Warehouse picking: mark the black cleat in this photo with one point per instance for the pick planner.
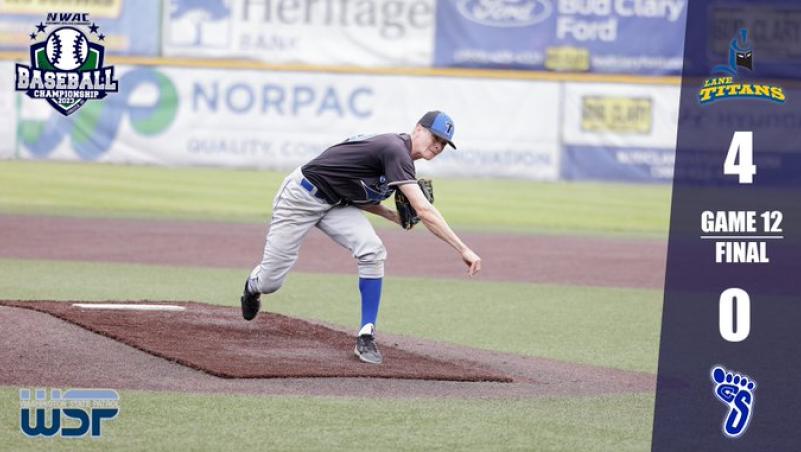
(250, 302)
(367, 350)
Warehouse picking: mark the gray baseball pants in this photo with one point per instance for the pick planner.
(295, 211)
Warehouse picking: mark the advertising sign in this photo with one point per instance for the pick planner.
(129, 28)
(367, 33)
(278, 120)
(602, 36)
(619, 132)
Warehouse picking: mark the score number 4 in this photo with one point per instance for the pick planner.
(742, 145)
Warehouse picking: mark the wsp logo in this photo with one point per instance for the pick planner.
(89, 407)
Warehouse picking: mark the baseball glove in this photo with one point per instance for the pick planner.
(408, 217)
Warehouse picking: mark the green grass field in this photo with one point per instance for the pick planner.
(170, 422)
(607, 327)
(246, 196)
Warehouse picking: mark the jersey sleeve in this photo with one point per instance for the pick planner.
(399, 167)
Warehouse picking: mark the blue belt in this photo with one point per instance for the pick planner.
(313, 190)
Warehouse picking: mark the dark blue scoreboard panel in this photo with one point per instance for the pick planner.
(730, 352)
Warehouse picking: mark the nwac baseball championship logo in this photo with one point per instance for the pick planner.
(66, 66)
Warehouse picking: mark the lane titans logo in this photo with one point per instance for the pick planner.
(724, 87)
(66, 67)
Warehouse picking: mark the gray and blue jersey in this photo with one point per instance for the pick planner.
(364, 169)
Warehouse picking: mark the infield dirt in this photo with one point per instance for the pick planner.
(556, 259)
(48, 351)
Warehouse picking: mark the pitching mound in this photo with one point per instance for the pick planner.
(216, 340)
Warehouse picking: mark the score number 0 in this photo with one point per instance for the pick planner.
(733, 301)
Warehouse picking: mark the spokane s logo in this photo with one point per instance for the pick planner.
(66, 66)
(725, 86)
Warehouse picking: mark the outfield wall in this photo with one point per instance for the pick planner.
(619, 132)
(539, 89)
(560, 35)
(129, 27)
(248, 118)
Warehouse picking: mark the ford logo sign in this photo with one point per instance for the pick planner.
(505, 13)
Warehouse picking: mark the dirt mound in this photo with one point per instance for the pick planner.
(216, 340)
(40, 350)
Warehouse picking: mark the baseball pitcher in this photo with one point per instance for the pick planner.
(331, 191)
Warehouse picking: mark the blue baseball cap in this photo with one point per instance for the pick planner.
(440, 124)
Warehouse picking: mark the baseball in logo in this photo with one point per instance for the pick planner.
(66, 66)
(67, 48)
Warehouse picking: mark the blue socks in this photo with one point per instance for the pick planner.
(371, 298)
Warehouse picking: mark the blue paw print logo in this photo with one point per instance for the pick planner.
(737, 392)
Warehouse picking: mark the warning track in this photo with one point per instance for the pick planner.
(553, 259)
